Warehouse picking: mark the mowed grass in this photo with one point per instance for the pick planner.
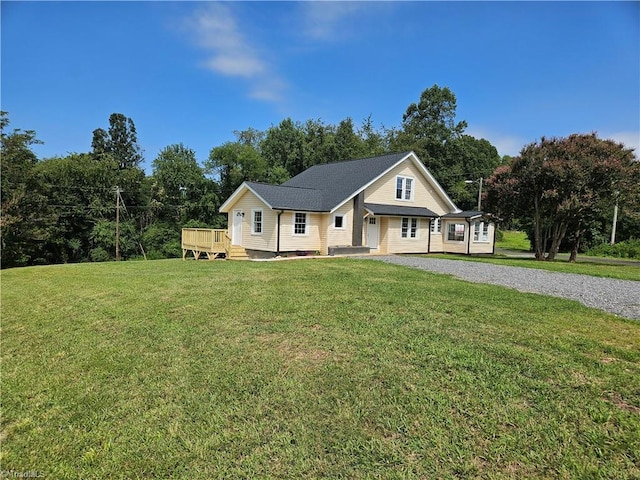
(514, 240)
(305, 369)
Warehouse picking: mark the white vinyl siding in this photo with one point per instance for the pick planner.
(266, 241)
(384, 191)
(392, 241)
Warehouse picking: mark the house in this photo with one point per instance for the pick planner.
(385, 204)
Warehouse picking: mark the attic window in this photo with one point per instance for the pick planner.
(338, 222)
(404, 188)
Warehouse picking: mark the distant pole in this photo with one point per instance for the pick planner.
(480, 196)
(615, 220)
(117, 224)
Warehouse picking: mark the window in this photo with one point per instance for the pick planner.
(436, 225)
(404, 188)
(300, 224)
(338, 222)
(256, 225)
(409, 228)
(481, 231)
(455, 232)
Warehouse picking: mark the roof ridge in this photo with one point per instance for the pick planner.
(360, 159)
(281, 185)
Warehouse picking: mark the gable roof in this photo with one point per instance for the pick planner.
(326, 187)
(340, 181)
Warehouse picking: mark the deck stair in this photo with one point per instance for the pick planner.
(236, 253)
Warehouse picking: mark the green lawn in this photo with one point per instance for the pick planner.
(305, 369)
(514, 240)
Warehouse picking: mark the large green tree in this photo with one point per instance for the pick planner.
(181, 190)
(120, 141)
(429, 128)
(19, 217)
(561, 187)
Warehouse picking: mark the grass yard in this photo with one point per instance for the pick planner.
(305, 369)
(514, 240)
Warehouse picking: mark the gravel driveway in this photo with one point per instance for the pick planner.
(621, 297)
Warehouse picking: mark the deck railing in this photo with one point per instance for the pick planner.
(204, 240)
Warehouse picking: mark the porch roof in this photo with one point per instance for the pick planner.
(398, 211)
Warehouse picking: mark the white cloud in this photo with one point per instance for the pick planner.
(628, 138)
(327, 20)
(231, 53)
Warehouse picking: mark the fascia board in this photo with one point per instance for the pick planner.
(224, 208)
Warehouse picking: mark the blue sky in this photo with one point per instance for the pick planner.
(193, 72)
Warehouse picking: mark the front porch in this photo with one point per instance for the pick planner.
(212, 242)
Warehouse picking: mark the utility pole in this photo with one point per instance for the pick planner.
(117, 224)
(479, 191)
(615, 220)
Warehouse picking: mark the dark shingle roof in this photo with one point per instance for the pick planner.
(398, 211)
(289, 198)
(339, 181)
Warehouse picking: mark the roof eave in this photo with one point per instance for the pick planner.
(244, 186)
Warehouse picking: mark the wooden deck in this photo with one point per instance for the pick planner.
(211, 242)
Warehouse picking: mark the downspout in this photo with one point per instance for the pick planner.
(493, 245)
(468, 236)
(278, 235)
(429, 236)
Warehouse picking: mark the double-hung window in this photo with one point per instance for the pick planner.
(299, 223)
(481, 232)
(455, 232)
(436, 225)
(409, 227)
(256, 224)
(404, 188)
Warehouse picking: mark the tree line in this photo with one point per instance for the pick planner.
(63, 209)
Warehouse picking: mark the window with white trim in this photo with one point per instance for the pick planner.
(299, 223)
(404, 188)
(436, 225)
(481, 232)
(409, 227)
(338, 222)
(256, 222)
(455, 232)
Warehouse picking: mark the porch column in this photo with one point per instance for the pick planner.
(358, 213)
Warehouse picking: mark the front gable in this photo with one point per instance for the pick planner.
(425, 192)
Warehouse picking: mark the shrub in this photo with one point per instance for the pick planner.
(627, 249)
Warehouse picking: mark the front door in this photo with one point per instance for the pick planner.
(236, 230)
(373, 233)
